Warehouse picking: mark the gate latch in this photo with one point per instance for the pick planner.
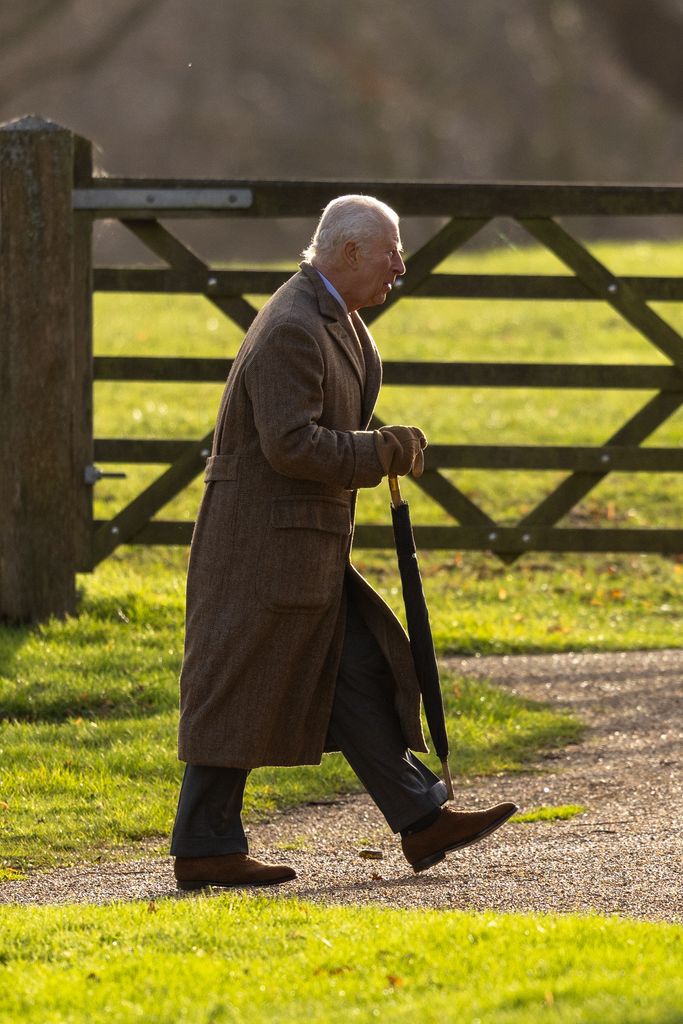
(92, 474)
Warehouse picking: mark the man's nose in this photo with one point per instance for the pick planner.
(399, 266)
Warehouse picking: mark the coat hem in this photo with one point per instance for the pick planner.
(209, 762)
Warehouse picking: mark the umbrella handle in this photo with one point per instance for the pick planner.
(396, 499)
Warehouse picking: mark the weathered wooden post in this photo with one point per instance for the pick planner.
(45, 370)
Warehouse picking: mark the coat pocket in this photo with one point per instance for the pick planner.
(214, 531)
(302, 560)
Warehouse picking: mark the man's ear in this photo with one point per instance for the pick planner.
(351, 253)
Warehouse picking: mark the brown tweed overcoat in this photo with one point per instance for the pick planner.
(269, 567)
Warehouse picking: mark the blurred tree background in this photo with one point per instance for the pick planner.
(574, 90)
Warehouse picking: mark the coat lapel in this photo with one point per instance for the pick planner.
(343, 333)
(373, 368)
(339, 326)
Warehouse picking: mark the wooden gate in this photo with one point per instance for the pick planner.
(142, 205)
(138, 205)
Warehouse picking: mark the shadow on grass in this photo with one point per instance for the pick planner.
(119, 658)
(12, 639)
(491, 730)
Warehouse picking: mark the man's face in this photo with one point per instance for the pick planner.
(379, 265)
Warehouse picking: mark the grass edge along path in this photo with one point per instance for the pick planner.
(235, 958)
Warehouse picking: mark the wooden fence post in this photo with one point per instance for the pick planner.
(42, 421)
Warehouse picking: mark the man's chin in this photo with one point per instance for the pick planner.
(376, 300)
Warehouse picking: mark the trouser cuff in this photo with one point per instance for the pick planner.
(432, 800)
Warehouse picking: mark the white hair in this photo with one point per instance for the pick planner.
(348, 218)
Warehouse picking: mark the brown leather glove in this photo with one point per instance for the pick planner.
(399, 450)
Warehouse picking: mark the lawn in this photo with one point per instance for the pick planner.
(87, 735)
(87, 744)
(236, 959)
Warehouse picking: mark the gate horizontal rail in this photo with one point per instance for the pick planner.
(579, 376)
(149, 198)
(232, 283)
(502, 540)
(448, 456)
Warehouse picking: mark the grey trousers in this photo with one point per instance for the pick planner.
(363, 725)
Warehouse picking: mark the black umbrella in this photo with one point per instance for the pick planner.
(419, 630)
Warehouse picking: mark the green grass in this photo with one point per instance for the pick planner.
(562, 813)
(544, 604)
(234, 959)
(88, 758)
(11, 875)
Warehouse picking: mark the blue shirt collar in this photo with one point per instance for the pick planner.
(332, 290)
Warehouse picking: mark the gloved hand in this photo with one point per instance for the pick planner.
(399, 450)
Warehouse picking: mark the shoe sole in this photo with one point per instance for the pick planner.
(436, 858)
(194, 886)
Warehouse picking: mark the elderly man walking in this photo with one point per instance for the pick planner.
(289, 652)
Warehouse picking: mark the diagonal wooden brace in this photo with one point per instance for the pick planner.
(123, 527)
(621, 296)
(419, 266)
(179, 256)
(574, 487)
(446, 494)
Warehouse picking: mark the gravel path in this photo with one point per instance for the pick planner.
(623, 855)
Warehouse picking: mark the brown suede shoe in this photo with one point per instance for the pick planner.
(229, 869)
(452, 830)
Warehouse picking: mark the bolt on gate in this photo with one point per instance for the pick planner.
(49, 200)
